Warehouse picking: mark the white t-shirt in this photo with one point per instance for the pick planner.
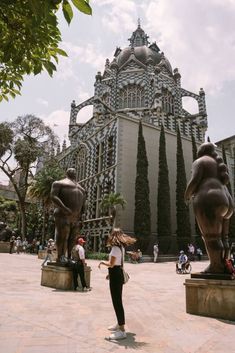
(80, 250)
(117, 253)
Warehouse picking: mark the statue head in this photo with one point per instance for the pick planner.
(207, 149)
(71, 173)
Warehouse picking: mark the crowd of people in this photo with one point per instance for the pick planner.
(19, 245)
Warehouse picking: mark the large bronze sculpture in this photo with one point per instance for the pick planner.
(212, 203)
(69, 198)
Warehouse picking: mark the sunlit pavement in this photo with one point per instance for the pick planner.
(36, 319)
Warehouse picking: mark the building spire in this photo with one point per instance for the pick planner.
(138, 38)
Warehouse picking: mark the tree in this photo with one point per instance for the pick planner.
(194, 153)
(232, 218)
(8, 211)
(109, 203)
(40, 188)
(26, 140)
(182, 211)
(194, 147)
(30, 39)
(163, 197)
(142, 217)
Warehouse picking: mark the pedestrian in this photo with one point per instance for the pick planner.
(49, 248)
(117, 240)
(12, 244)
(183, 258)
(199, 254)
(191, 250)
(78, 263)
(18, 245)
(155, 252)
(24, 245)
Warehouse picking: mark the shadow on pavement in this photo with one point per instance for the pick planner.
(129, 342)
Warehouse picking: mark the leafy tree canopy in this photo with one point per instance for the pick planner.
(30, 39)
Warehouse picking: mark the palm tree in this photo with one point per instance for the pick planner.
(41, 187)
(109, 203)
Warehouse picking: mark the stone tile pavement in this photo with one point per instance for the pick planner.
(36, 319)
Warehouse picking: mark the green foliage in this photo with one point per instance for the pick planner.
(182, 210)
(28, 139)
(40, 188)
(30, 39)
(112, 200)
(97, 256)
(194, 153)
(163, 198)
(6, 138)
(142, 217)
(194, 147)
(8, 211)
(232, 218)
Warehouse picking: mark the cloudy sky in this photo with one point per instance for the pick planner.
(197, 36)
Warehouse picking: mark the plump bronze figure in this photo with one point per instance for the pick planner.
(212, 203)
(69, 198)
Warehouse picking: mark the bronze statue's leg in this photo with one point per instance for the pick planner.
(74, 232)
(215, 248)
(225, 232)
(62, 234)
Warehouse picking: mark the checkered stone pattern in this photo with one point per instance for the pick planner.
(160, 103)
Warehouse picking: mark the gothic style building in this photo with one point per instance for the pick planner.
(138, 83)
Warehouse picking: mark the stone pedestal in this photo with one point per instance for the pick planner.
(211, 297)
(43, 253)
(61, 277)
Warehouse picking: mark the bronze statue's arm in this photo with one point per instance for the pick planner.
(55, 189)
(197, 173)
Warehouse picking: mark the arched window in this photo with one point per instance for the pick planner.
(167, 102)
(132, 96)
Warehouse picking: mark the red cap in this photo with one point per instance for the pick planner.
(81, 241)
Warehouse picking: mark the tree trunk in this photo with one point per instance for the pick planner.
(23, 219)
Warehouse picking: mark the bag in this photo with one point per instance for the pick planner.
(229, 266)
(126, 277)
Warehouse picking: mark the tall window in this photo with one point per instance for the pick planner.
(99, 162)
(132, 96)
(167, 102)
(81, 163)
(110, 152)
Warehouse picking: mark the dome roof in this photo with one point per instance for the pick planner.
(143, 54)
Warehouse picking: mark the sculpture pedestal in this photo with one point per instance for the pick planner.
(61, 277)
(210, 297)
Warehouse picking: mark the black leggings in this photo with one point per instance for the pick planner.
(115, 285)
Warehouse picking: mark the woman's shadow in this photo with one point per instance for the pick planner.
(129, 341)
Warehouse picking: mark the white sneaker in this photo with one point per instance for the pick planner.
(118, 335)
(114, 327)
(85, 289)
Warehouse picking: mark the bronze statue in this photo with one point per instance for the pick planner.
(212, 203)
(69, 198)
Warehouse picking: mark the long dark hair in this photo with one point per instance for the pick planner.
(118, 238)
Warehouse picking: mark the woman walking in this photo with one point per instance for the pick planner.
(117, 240)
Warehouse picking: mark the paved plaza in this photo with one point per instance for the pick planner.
(36, 319)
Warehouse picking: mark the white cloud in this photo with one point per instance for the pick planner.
(194, 38)
(118, 15)
(88, 54)
(58, 120)
(42, 101)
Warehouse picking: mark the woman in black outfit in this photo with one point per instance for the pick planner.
(117, 240)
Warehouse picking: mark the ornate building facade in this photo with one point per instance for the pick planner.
(138, 83)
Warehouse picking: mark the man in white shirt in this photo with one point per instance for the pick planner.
(78, 263)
